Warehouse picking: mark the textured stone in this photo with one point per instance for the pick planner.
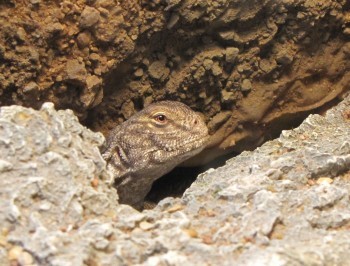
(75, 71)
(158, 71)
(89, 17)
(231, 54)
(263, 207)
(84, 39)
(246, 85)
(191, 51)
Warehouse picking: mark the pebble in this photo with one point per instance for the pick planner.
(146, 225)
(284, 58)
(267, 66)
(138, 73)
(128, 109)
(25, 259)
(84, 39)
(208, 63)
(20, 256)
(55, 28)
(231, 54)
(21, 34)
(173, 20)
(89, 17)
(75, 70)
(246, 85)
(158, 71)
(95, 57)
(93, 82)
(346, 31)
(101, 244)
(191, 232)
(216, 69)
(31, 86)
(324, 180)
(14, 253)
(227, 96)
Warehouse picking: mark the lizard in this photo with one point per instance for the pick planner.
(150, 144)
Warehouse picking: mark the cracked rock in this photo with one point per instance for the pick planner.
(264, 207)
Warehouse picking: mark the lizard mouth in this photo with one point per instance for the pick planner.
(188, 146)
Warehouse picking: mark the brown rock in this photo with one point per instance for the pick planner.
(246, 85)
(158, 71)
(208, 63)
(216, 69)
(128, 109)
(90, 96)
(54, 28)
(89, 17)
(30, 87)
(84, 39)
(227, 96)
(284, 57)
(347, 31)
(75, 71)
(231, 54)
(291, 77)
(138, 73)
(94, 57)
(21, 34)
(267, 65)
(218, 120)
(92, 82)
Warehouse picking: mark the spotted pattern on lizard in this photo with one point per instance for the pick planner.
(150, 144)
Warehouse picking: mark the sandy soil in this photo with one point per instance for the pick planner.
(250, 67)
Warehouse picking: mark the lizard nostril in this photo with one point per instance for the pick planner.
(133, 179)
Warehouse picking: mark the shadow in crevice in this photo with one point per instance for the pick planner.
(178, 180)
(175, 183)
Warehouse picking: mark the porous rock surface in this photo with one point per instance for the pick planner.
(286, 203)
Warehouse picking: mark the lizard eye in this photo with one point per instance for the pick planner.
(160, 118)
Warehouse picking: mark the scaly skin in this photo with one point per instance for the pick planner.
(150, 144)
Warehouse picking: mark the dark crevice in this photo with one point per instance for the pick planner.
(178, 180)
(175, 183)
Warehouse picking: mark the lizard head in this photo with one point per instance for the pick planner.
(150, 144)
(174, 130)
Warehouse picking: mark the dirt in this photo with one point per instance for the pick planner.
(250, 67)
